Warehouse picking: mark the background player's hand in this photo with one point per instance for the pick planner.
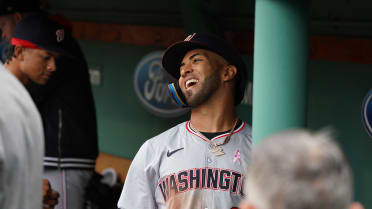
(50, 197)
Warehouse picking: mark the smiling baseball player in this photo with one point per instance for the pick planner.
(198, 163)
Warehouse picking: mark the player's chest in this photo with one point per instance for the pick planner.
(194, 157)
(192, 166)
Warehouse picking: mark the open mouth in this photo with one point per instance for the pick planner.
(191, 82)
(46, 76)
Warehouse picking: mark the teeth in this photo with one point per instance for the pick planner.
(191, 82)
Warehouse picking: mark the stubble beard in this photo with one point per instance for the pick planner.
(209, 86)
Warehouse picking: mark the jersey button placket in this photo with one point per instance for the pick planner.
(209, 157)
(208, 162)
(212, 163)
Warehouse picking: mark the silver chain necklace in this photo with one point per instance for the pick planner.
(216, 148)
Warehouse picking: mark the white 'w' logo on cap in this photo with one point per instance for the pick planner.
(188, 38)
(60, 35)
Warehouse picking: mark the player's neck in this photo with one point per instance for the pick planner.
(213, 117)
(13, 68)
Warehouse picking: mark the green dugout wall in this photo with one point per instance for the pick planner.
(280, 66)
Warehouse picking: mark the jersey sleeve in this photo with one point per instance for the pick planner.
(2, 176)
(140, 183)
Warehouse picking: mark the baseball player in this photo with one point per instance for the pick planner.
(198, 163)
(66, 107)
(31, 57)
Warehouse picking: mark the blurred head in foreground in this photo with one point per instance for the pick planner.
(299, 169)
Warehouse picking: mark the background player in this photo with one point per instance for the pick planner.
(67, 110)
(198, 163)
(31, 57)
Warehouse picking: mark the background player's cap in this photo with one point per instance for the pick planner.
(173, 56)
(12, 6)
(40, 32)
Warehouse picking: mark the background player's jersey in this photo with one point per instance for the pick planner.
(177, 169)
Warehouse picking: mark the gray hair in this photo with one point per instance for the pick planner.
(299, 169)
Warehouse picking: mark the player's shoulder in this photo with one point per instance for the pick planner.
(246, 128)
(13, 93)
(244, 131)
(152, 149)
(169, 134)
(157, 143)
(15, 101)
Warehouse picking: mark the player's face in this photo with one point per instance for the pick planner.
(200, 76)
(38, 65)
(7, 25)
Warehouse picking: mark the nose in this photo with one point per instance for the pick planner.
(52, 64)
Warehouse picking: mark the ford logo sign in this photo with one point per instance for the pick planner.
(367, 112)
(150, 84)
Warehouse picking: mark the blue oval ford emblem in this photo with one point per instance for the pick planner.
(150, 84)
(367, 112)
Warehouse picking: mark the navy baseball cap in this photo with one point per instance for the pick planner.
(12, 6)
(173, 56)
(40, 32)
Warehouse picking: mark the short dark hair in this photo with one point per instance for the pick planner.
(304, 170)
(10, 54)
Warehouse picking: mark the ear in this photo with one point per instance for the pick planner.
(356, 205)
(229, 72)
(19, 52)
(17, 17)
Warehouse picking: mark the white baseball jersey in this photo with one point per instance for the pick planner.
(176, 169)
(21, 146)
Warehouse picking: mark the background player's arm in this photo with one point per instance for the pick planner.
(140, 183)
